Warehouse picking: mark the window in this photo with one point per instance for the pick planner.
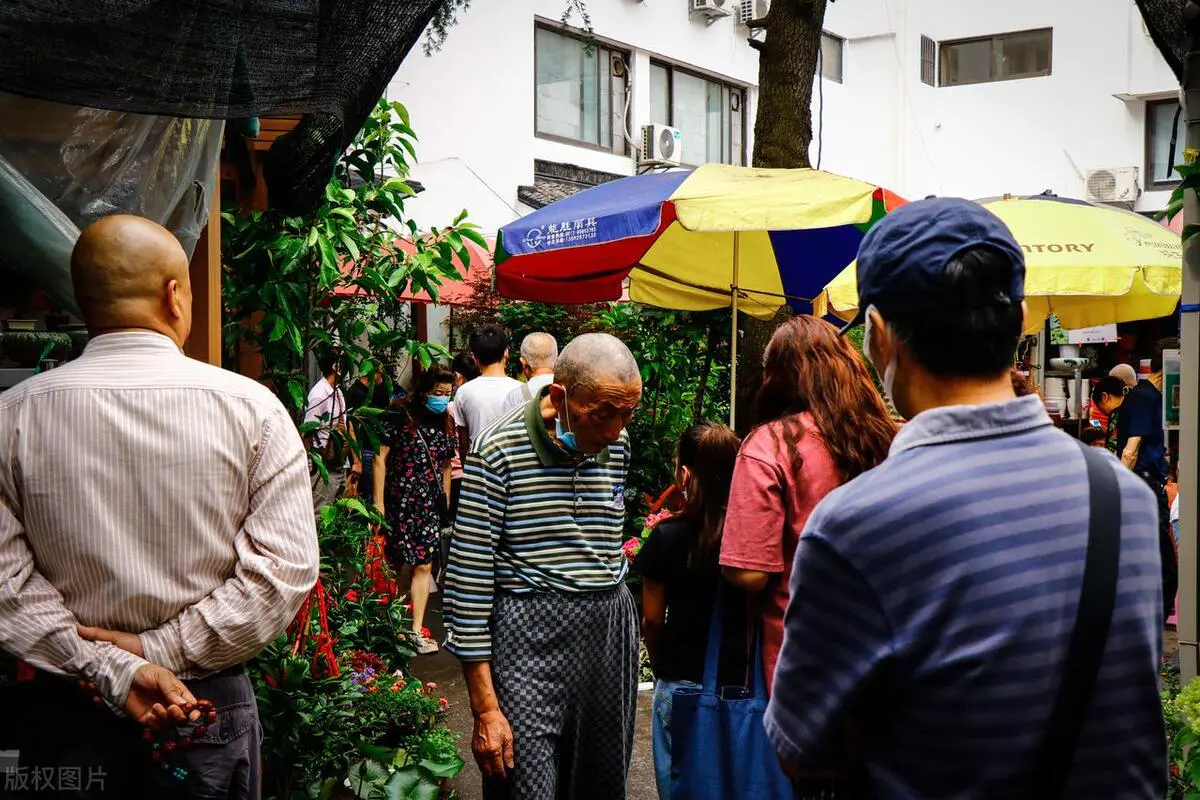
(996, 58)
(709, 114)
(831, 56)
(1161, 125)
(928, 61)
(580, 91)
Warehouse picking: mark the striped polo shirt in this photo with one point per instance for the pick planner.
(531, 518)
(933, 601)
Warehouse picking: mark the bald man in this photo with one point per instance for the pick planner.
(1126, 373)
(539, 354)
(155, 521)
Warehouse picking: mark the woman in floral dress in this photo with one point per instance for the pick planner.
(412, 486)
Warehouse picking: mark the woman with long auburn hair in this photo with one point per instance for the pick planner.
(821, 423)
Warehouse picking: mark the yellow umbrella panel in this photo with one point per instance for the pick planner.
(772, 233)
(1088, 264)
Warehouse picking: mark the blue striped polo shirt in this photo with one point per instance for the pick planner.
(933, 599)
(531, 518)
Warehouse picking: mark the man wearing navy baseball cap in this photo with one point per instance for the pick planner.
(934, 599)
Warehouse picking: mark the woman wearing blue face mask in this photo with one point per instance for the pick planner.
(413, 483)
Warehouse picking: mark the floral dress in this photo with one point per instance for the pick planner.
(1110, 440)
(412, 491)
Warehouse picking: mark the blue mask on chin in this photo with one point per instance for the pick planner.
(437, 404)
(566, 438)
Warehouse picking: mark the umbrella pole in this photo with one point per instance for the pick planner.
(733, 337)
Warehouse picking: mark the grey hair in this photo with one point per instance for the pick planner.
(596, 358)
(1125, 373)
(539, 350)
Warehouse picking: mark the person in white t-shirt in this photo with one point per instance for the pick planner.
(480, 402)
(539, 352)
(327, 405)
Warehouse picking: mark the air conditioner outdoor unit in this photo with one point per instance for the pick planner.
(661, 146)
(750, 10)
(1116, 185)
(713, 9)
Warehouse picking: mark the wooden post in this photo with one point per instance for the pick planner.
(205, 342)
(1189, 388)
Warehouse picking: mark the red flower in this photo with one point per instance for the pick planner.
(352, 596)
(270, 679)
(443, 703)
(425, 632)
(431, 686)
(384, 599)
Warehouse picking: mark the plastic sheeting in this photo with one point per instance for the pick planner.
(63, 167)
(329, 60)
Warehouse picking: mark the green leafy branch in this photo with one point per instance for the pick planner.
(1189, 172)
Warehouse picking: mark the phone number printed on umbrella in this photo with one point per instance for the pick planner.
(559, 234)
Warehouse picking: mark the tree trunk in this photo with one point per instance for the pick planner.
(710, 344)
(782, 135)
(786, 66)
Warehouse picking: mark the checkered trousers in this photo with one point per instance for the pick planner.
(564, 668)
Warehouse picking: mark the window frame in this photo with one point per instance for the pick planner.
(841, 42)
(742, 157)
(993, 38)
(929, 47)
(603, 47)
(1153, 184)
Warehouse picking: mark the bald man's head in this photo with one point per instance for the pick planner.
(131, 273)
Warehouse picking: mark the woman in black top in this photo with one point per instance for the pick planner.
(681, 575)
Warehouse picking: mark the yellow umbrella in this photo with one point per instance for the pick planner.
(1088, 264)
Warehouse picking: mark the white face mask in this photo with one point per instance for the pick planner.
(889, 371)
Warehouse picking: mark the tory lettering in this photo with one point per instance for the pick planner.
(1058, 248)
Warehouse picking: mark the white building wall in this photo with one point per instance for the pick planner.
(472, 103)
(1020, 136)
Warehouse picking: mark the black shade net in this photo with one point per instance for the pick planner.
(329, 60)
(1164, 20)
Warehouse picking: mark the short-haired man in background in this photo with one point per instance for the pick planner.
(1142, 446)
(934, 598)
(326, 406)
(536, 605)
(479, 402)
(539, 352)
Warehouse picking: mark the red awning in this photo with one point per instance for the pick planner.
(452, 293)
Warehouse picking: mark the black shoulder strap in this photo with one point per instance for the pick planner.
(1092, 622)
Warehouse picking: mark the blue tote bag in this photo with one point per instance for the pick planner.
(719, 747)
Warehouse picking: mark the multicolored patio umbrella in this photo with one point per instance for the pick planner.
(712, 237)
(1087, 263)
(684, 238)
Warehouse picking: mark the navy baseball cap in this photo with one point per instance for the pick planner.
(902, 258)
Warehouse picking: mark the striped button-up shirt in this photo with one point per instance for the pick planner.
(144, 491)
(531, 518)
(934, 598)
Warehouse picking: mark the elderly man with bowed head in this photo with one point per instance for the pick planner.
(537, 609)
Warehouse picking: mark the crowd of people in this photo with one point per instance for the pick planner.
(915, 591)
(966, 605)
